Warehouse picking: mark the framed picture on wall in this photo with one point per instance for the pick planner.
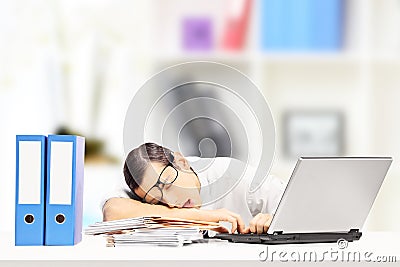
(313, 133)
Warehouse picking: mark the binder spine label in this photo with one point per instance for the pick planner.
(61, 173)
(30, 172)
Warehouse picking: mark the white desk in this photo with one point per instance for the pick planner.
(94, 248)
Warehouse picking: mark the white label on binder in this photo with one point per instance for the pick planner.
(30, 172)
(61, 173)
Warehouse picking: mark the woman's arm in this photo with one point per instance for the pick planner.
(122, 208)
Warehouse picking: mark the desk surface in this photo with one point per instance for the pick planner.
(94, 248)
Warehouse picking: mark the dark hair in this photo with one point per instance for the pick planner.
(139, 158)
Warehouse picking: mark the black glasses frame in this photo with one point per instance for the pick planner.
(159, 182)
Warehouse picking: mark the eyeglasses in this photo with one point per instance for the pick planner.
(167, 176)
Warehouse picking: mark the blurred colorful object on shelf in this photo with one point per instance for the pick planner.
(236, 25)
(197, 34)
(301, 25)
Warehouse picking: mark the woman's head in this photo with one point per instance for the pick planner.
(159, 176)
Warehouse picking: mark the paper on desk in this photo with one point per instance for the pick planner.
(175, 222)
(118, 226)
(160, 237)
(169, 219)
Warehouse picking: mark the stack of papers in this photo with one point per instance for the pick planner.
(174, 222)
(161, 231)
(161, 237)
(117, 226)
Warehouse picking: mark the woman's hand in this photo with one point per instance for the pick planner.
(259, 224)
(224, 215)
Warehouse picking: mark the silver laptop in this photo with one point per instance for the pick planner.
(326, 199)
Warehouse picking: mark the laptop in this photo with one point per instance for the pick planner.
(325, 200)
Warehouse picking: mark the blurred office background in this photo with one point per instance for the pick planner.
(329, 70)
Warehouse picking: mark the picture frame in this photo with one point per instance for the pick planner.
(313, 133)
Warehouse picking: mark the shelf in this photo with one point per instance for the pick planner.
(264, 57)
(300, 57)
(386, 59)
(206, 56)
